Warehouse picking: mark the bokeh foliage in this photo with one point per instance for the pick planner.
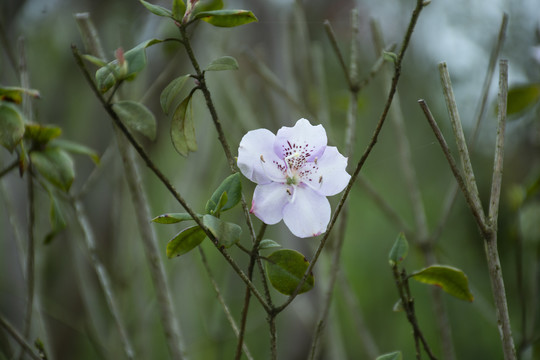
(286, 70)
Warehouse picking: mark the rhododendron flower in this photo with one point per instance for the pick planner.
(295, 171)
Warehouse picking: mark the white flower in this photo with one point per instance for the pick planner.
(295, 171)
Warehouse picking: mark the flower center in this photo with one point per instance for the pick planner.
(293, 180)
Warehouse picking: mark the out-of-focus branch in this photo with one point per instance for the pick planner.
(397, 73)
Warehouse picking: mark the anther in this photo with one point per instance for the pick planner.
(289, 192)
(315, 161)
(262, 159)
(320, 179)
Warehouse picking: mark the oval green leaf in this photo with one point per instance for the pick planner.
(522, 97)
(208, 5)
(285, 269)
(14, 93)
(41, 134)
(172, 218)
(452, 280)
(171, 91)
(136, 117)
(135, 58)
(233, 187)
(223, 63)
(268, 244)
(399, 251)
(227, 234)
(95, 60)
(76, 148)
(227, 18)
(183, 129)
(178, 9)
(55, 165)
(156, 9)
(185, 241)
(396, 355)
(11, 126)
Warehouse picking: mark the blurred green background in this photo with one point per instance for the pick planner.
(288, 70)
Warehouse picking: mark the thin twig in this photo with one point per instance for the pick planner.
(19, 338)
(478, 213)
(140, 203)
(224, 304)
(252, 261)
(333, 41)
(494, 265)
(217, 123)
(397, 73)
(142, 153)
(407, 301)
(102, 274)
(480, 114)
(493, 213)
(30, 256)
(421, 236)
(349, 149)
(468, 172)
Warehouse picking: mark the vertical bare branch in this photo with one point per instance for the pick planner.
(466, 165)
(499, 147)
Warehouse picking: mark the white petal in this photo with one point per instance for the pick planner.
(329, 176)
(256, 157)
(303, 137)
(269, 201)
(308, 215)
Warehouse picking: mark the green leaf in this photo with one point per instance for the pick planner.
(95, 60)
(56, 217)
(171, 91)
(208, 5)
(285, 269)
(268, 244)
(222, 201)
(178, 9)
(11, 126)
(185, 241)
(183, 129)
(226, 18)
(14, 93)
(452, 280)
(156, 9)
(136, 117)
(396, 355)
(522, 97)
(172, 218)
(226, 233)
(389, 56)
(76, 148)
(223, 63)
(233, 187)
(135, 58)
(55, 165)
(41, 134)
(399, 251)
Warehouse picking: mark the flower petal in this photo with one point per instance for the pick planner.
(256, 157)
(308, 215)
(268, 202)
(330, 176)
(303, 137)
